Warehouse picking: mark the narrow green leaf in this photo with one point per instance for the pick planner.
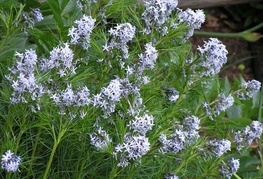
(16, 42)
(255, 99)
(234, 111)
(54, 6)
(226, 87)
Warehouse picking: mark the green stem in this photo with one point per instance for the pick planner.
(253, 29)
(260, 105)
(2, 42)
(217, 34)
(80, 173)
(21, 132)
(260, 171)
(114, 172)
(184, 163)
(50, 159)
(260, 120)
(34, 152)
(228, 35)
(131, 172)
(56, 143)
(237, 176)
(9, 175)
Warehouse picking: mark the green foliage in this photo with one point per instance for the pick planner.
(54, 144)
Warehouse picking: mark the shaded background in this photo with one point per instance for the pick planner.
(244, 58)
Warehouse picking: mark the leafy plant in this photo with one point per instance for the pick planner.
(111, 89)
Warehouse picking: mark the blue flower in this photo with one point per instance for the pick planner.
(213, 55)
(229, 168)
(10, 162)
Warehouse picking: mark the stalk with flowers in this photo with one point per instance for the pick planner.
(111, 89)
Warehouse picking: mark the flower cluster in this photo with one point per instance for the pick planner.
(248, 135)
(61, 59)
(10, 162)
(212, 57)
(193, 19)
(184, 134)
(32, 17)
(229, 168)
(171, 176)
(22, 77)
(108, 96)
(26, 87)
(142, 124)
(172, 94)
(100, 139)
(219, 147)
(148, 58)
(121, 35)
(132, 148)
(157, 13)
(81, 3)
(69, 97)
(191, 125)
(137, 107)
(248, 89)
(80, 32)
(220, 104)
(174, 143)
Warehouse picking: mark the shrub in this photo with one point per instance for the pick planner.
(111, 89)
